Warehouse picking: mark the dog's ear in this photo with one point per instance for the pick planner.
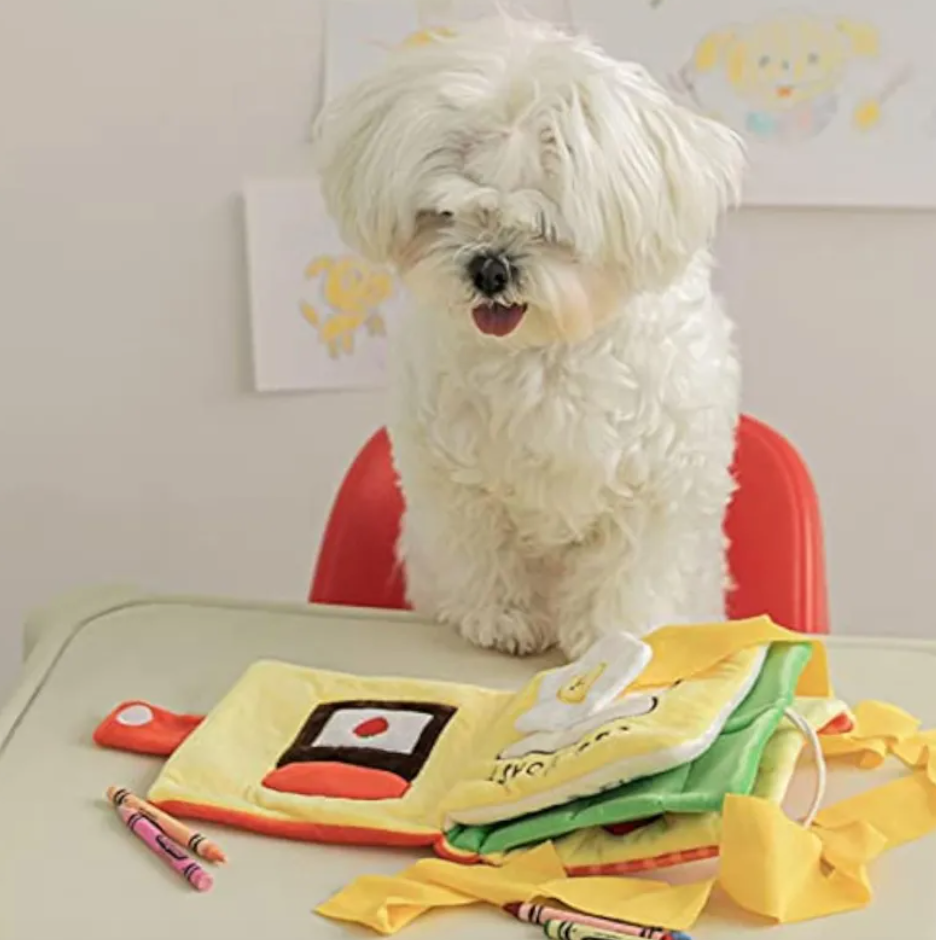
(669, 173)
(363, 150)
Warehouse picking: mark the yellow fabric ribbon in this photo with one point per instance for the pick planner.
(387, 904)
(770, 865)
(680, 652)
(878, 729)
(774, 867)
(919, 751)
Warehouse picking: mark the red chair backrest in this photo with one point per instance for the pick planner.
(777, 556)
(773, 523)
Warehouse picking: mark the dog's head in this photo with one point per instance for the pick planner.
(521, 180)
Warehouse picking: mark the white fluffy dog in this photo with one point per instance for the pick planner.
(566, 390)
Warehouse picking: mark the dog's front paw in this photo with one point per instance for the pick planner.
(508, 631)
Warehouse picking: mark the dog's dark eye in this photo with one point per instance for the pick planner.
(432, 217)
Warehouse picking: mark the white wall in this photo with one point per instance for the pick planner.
(838, 327)
(132, 447)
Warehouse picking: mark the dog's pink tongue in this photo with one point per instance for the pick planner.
(498, 319)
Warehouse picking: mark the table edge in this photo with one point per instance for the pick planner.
(50, 629)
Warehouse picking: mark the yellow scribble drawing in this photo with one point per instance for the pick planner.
(353, 290)
(425, 36)
(868, 114)
(788, 73)
(420, 38)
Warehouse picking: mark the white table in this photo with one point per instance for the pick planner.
(67, 870)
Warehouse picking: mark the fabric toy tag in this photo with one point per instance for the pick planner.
(588, 686)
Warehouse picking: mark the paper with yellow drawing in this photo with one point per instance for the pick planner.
(319, 314)
(831, 95)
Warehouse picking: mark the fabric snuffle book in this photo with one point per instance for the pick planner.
(642, 755)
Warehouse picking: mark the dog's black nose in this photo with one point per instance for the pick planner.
(489, 273)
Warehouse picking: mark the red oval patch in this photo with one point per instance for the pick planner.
(371, 728)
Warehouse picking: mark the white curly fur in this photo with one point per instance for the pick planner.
(571, 477)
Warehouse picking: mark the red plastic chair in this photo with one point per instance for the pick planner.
(774, 524)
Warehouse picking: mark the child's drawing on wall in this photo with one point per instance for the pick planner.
(786, 77)
(835, 98)
(349, 300)
(320, 315)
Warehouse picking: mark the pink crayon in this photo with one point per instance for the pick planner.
(170, 852)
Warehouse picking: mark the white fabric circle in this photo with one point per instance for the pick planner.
(135, 715)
